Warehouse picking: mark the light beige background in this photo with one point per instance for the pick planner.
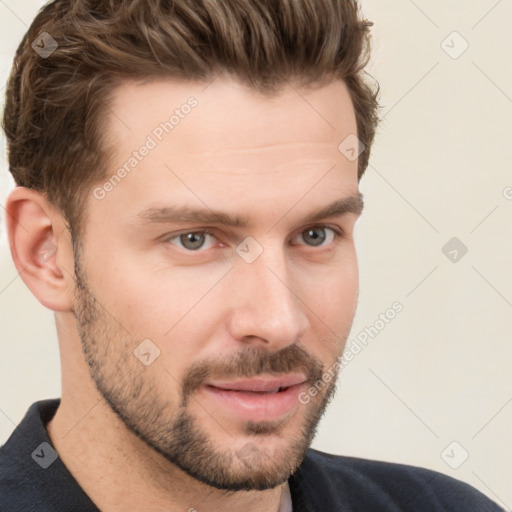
(440, 371)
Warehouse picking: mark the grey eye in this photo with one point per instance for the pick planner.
(316, 236)
(193, 240)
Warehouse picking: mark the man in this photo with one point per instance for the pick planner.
(187, 193)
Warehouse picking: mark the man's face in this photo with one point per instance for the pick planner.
(189, 323)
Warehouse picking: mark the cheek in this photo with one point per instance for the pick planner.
(331, 299)
(333, 290)
(148, 296)
(177, 308)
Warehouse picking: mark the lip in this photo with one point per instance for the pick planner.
(255, 399)
(260, 383)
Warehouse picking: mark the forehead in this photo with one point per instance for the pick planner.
(223, 145)
(228, 115)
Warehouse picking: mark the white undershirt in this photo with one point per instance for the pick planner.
(286, 499)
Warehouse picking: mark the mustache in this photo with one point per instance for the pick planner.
(252, 362)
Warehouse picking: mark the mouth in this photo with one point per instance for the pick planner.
(258, 399)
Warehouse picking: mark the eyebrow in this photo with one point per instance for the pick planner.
(185, 214)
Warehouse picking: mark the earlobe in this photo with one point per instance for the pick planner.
(40, 247)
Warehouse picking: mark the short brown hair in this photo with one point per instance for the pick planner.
(55, 106)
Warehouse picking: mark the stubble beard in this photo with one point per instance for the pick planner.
(170, 429)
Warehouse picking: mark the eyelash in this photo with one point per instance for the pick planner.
(338, 234)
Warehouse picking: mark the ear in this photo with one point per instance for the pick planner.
(41, 248)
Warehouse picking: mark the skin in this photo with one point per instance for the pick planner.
(153, 429)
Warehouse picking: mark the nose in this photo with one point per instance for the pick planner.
(266, 307)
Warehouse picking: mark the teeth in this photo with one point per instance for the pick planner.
(270, 392)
